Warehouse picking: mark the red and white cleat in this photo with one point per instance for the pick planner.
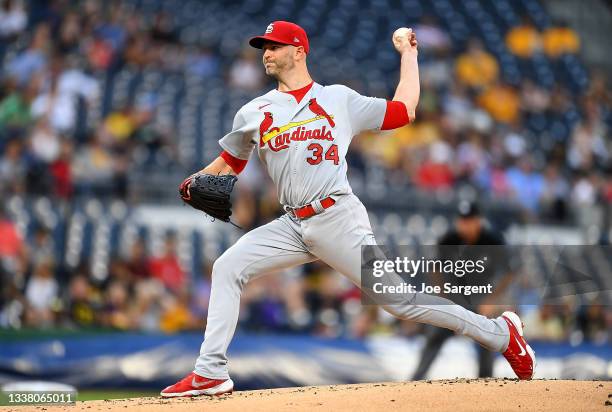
(195, 385)
(519, 354)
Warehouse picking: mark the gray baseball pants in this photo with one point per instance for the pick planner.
(334, 236)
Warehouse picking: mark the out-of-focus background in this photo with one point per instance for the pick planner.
(105, 106)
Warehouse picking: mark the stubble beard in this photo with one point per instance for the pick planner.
(279, 68)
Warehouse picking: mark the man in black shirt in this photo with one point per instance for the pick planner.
(469, 230)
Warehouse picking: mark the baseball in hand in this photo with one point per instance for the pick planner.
(404, 37)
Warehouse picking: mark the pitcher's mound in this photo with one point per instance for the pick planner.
(456, 395)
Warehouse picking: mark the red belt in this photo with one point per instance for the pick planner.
(307, 211)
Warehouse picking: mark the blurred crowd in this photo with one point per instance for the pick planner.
(544, 148)
(51, 76)
(152, 292)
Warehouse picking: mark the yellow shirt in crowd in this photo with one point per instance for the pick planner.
(560, 40)
(477, 69)
(501, 102)
(523, 41)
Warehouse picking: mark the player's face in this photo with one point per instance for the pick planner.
(469, 228)
(278, 58)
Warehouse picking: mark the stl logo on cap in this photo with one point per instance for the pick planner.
(282, 32)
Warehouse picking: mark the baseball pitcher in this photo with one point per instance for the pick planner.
(301, 131)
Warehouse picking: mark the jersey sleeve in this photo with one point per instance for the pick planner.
(239, 142)
(236, 164)
(365, 113)
(396, 115)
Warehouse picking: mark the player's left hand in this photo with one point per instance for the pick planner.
(209, 193)
(404, 39)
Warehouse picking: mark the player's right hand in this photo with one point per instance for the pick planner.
(404, 39)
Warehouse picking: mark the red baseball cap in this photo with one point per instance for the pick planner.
(282, 32)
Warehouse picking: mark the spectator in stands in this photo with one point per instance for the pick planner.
(458, 106)
(527, 184)
(45, 143)
(118, 271)
(201, 292)
(599, 91)
(554, 195)
(99, 53)
(15, 113)
(438, 71)
(524, 40)
(245, 72)
(268, 206)
(591, 322)
(139, 51)
(431, 37)
(34, 58)
(164, 30)
(76, 82)
(299, 317)
(56, 107)
(137, 261)
(146, 309)
(166, 268)
(589, 146)
(476, 67)
(112, 30)
(115, 313)
(472, 158)
(12, 246)
(13, 168)
(69, 34)
(93, 168)
(584, 199)
(534, 99)
(119, 126)
(515, 143)
(244, 209)
(12, 304)
(502, 102)
(324, 295)
(545, 324)
(13, 19)
(496, 183)
(428, 101)
(82, 302)
(560, 39)
(401, 148)
(42, 248)
(436, 173)
(42, 292)
(606, 194)
(202, 62)
(175, 315)
(261, 306)
(61, 173)
(67, 84)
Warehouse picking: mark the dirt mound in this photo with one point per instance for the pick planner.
(455, 395)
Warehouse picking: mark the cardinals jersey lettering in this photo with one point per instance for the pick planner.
(303, 145)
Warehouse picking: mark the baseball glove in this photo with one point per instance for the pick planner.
(209, 193)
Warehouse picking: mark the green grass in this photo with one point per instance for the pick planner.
(100, 394)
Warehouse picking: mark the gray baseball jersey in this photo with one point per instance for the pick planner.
(303, 145)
